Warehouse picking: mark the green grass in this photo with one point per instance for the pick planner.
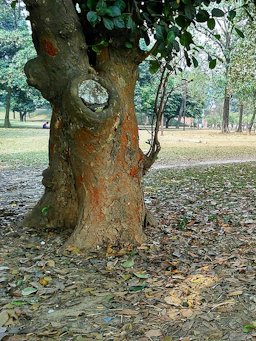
(27, 147)
(35, 120)
(180, 146)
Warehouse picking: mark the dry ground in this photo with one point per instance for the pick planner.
(193, 279)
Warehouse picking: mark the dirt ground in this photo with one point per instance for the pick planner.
(194, 278)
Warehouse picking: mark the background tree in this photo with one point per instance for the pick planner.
(243, 65)
(221, 36)
(16, 48)
(88, 56)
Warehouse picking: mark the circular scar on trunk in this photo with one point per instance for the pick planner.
(94, 95)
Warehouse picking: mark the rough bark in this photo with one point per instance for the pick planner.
(240, 122)
(7, 123)
(93, 182)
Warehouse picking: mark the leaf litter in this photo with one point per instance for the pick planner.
(194, 278)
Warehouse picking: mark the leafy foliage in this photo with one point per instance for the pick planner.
(165, 22)
(15, 49)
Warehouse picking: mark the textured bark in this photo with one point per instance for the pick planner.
(93, 182)
(240, 122)
(225, 121)
(7, 123)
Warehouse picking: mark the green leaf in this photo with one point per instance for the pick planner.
(190, 11)
(28, 291)
(231, 15)
(240, 33)
(135, 288)
(45, 210)
(128, 45)
(195, 61)
(119, 22)
(176, 45)
(186, 39)
(95, 48)
(217, 36)
(211, 23)
(153, 66)
(249, 327)
(160, 33)
(108, 23)
(113, 11)
(128, 264)
(170, 37)
(212, 63)
(181, 21)
(18, 303)
(14, 3)
(92, 17)
(216, 12)
(141, 275)
(202, 16)
(91, 4)
(130, 23)
(188, 61)
(121, 4)
(101, 7)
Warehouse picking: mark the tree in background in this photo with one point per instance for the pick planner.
(221, 37)
(15, 49)
(243, 66)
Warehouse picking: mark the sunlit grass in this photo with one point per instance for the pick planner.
(201, 145)
(29, 146)
(24, 146)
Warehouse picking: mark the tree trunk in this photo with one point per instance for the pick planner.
(225, 118)
(7, 123)
(167, 122)
(253, 114)
(93, 182)
(181, 113)
(240, 122)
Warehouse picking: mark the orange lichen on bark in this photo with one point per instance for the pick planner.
(134, 171)
(49, 47)
(79, 180)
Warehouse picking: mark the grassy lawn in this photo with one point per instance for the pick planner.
(180, 146)
(24, 147)
(29, 145)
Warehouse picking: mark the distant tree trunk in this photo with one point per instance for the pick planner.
(181, 113)
(13, 113)
(225, 121)
(23, 116)
(240, 123)
(7, 123)
(167, 122)
(250, 125)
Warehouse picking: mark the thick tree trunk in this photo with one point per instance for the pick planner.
(7, 123)
(93, 182)
(225, 118)
(240, 122)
